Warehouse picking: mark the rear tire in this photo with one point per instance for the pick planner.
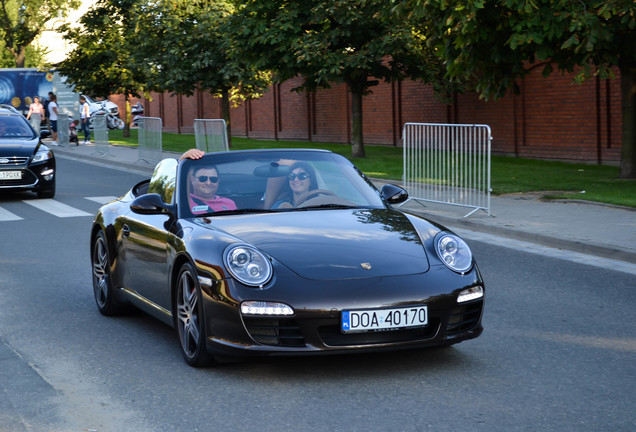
(189, 319)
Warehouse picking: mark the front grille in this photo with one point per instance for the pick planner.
(13, 160)
(464, 318)
(332, 336)
(28, 179)
(283, 332)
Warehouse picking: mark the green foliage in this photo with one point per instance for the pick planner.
(332, 41)
(491, 43)
(34, 57)
(21, 22)
(186, 46)
(101, 63)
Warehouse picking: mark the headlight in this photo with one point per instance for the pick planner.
(248, 265)
(454, 252)
(42, 155)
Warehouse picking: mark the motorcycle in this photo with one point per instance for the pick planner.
(112, 121)
(137, 111)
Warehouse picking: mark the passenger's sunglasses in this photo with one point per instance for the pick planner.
(301, 176)
(203, 179)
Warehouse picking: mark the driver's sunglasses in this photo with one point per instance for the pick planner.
(203, 179)
(301, 176)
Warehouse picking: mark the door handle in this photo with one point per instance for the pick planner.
(125, 230)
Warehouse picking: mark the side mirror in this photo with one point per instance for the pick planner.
(394, 194)
(151, 204)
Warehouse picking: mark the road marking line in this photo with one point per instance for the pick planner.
(56, 208)
(6, 215)
(101, 199)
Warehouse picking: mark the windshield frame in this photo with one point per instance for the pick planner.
(247, 185)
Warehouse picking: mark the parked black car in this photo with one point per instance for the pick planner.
(26, 164)
(260, 269)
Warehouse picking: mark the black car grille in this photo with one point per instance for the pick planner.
(332, 336)
(283, 332)
(28, 178)
(14, 160)
(464, 318)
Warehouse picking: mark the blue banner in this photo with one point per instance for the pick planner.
(19, 86)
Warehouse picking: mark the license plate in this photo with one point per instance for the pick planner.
(10, 175)
(383, 319)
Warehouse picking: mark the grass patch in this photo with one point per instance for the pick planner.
(557, 180)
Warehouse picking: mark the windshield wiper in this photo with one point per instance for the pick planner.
(235, 211)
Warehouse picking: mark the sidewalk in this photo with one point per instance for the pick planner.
(594, 229)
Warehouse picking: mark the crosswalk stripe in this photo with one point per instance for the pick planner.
(6, 215)
(101, 199)
(56, 208)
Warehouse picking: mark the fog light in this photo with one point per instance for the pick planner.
(471, 293)
(265, 308)
(47, 174)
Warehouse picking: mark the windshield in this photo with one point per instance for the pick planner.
(272, 181)
(15, 126)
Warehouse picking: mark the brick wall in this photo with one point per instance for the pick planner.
(552, 118)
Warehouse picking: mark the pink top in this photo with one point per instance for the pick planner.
(201, 205)
(36, 108)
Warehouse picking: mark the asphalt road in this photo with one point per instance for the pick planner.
(558, 351)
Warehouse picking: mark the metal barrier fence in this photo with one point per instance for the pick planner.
(63, 123)
(149, 139)
(448, 164)
(100, 135)
(36, 119)
(211, 135)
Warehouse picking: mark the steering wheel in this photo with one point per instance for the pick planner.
(313, 194)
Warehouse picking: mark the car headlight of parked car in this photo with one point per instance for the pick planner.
(454, 252)
(248, 265)
(42, 155)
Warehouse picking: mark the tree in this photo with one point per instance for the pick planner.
(185, 46)
(21, 21)
(101, 62)
(328, 41)
(490, 44)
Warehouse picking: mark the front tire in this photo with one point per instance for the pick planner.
(102, 283)
(189, 319)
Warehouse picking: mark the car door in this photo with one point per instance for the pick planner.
(145, 243)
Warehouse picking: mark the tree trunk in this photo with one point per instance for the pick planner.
(20, 57)
(225, 108)
(628, 146)
(357, 142)
(126, 119)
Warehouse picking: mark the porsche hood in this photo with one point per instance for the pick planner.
(334, 244)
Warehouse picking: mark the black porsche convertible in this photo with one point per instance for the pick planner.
(282, 252)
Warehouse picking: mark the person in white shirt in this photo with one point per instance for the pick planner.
(53, 118)
(85, 114)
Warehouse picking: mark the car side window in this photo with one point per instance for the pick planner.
(164, 179)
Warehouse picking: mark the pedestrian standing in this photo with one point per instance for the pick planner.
(36, 110)
(47, 121)
(53, 118)
(85, 114)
